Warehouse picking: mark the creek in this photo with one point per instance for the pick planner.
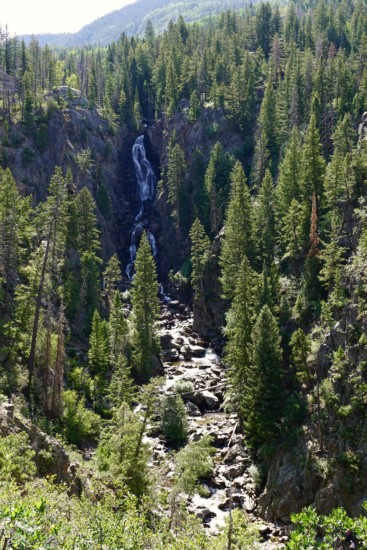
(192, 361)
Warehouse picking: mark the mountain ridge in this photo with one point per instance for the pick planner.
(132, 20)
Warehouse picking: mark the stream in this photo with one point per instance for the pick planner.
(188, 358)
(192, 361)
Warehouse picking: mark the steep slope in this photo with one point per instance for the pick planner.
(132, 20)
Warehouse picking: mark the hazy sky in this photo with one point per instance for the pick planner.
(43, 16)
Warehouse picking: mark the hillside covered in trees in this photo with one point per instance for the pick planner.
(183, 260)
(133, 18)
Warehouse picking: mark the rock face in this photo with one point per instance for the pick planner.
(335, 475)
(69, 131)
(210, 128)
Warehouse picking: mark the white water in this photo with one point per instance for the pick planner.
(146, 183)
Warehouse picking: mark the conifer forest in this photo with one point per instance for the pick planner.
(183, 283)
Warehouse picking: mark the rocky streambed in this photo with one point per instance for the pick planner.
(194, 364)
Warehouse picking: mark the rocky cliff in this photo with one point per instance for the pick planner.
(327, 464)
(78, 138)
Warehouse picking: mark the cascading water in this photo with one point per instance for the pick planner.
(146, 182)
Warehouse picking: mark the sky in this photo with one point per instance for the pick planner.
(44, 16)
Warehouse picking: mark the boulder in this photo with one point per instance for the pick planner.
(210, 400)
(171, 355)
(192, 409)
(235, 451)
(235, 470)
(166, 340)
(198, 351)
(186, 352)
(158, 368)
(205, 514)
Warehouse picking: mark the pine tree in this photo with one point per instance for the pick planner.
(57, 386)
(263, 389)
(98, 355)
(176, 172)
(332, 254)
(311, 286)
(293, 233)
(265, 229)
(14, 228)
(53, 224)
(145, 308)
(217, 186)
(122, 388)
(238, 236)
(238, 332)
(339, 181)
(289, 180)
(117, 329)
(194, 106)
(116, 452)
(174, 419)
(88, 234)
(267, 146)
(301, 348)
(313, 164)
(200, 249)
(111, 277)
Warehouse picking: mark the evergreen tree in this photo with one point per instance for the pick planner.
(265, 230)
(176, 172)
(122, 453)
(87, 232)
(117, 329)
(263, 389)
(14, 230)
(58, 379)
(217, 186)
(174, 419)
(301, 347)
(313, 165)
(293, 235)
(289, 180)
(332, 254)
(238, 332)
(200, 249)
(121, 389)
(267, 145)
(53, 225)
(145, 308)
(238, 236)
(98, 355)
(111, 277)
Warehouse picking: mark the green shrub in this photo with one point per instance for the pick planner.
(183, 386)
(194, 462)
(79, 423)
(16, 458)
(244, 534)
(174, 419)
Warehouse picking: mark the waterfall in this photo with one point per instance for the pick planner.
(146, 183)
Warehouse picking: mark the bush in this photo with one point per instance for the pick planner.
(194, 462)
(174, 419)
(16, 458)
(79, 423)
(244, 534)
(183, 386)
